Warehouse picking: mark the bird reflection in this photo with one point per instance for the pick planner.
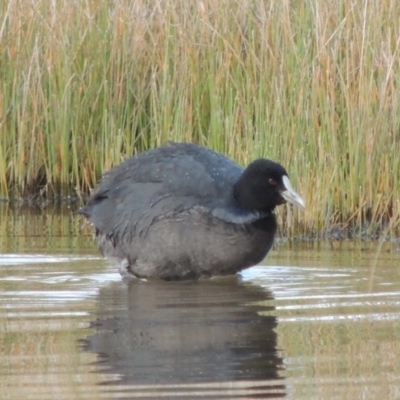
(160, 332)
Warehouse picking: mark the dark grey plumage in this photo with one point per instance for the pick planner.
(183, 211)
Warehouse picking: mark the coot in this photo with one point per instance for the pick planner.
(183, 211)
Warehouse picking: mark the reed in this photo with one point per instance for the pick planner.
(85, 84)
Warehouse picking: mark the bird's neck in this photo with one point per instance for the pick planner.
(245, 199)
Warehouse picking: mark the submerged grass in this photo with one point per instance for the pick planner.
(314, 85)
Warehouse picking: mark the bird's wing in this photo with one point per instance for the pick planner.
(163, 181)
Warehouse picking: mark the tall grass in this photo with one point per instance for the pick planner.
(312, 84)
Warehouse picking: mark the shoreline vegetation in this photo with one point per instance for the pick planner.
(312, 85)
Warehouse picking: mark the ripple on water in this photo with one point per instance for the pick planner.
(314, 324)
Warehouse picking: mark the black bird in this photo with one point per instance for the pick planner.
(183, 211)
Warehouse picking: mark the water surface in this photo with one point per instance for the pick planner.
(315, 321)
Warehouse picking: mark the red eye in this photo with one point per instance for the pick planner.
(272, 181)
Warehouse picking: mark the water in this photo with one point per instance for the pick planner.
(316, 321)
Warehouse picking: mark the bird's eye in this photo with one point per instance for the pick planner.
(272, 181)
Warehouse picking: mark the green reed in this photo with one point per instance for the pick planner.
(85, 84)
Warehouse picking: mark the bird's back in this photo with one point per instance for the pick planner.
(164, 180)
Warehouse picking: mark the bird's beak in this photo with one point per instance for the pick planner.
(290, 195)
